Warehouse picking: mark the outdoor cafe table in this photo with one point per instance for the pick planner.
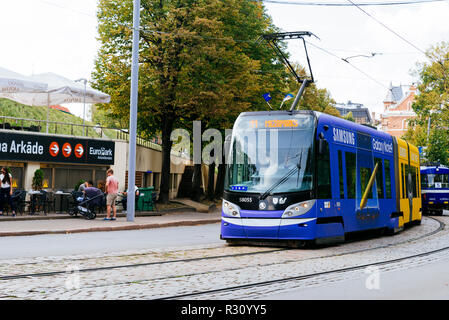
(63, 195)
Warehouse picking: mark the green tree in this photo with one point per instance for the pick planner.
(432, 101)
(198, 60)
(313, 97)
(349, 116)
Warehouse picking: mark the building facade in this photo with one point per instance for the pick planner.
(65, 160)
(360, 113)
(398, 109)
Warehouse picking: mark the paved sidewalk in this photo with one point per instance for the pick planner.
(79, 224)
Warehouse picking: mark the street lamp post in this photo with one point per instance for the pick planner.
(84, 100)
(133, 113)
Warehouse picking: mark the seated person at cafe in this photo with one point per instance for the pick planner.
(91, 192)
(125, 197)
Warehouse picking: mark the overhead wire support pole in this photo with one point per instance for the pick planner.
(133, 114)
(289, 66)
(308, 60)
(270, 38)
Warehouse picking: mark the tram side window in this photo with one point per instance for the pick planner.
(387, 179)
(340, 174)
(413, 173)
(324, 173)
(379, 178)
(424, 181)
(365, 175)
(350, 162)
(417, 183)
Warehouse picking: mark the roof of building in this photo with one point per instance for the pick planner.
(357, 109)
(397, 93)
(61, 108)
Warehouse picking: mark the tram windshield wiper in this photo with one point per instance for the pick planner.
(284, 178)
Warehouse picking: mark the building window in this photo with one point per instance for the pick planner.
(67, 178)
(17, 177)
(48, 175)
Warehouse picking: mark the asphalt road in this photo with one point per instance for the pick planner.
(107, 242)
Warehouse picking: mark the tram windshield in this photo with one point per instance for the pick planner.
(431, 180)
(271, 153)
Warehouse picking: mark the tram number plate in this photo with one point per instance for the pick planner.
(446, 212)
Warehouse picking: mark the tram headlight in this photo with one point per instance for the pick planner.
(298, 209)
(230, 209)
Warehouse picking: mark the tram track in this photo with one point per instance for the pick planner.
(153, 263)
(313, 275)
(135, 265)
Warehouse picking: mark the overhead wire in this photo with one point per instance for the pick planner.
(349, 63)
(387, 27)
(351, 3)
(339, 4)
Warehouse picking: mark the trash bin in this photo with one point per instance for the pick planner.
(145, 200)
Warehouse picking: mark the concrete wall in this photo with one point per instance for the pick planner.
(147, 159)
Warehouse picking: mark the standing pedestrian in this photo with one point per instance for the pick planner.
(112, 191)
(6, 190)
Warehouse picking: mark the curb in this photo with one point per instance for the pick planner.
(119, 228)
(67, 216)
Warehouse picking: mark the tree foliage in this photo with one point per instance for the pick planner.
(198, 59)
(349, 116)
(432, 101)
(313, 98)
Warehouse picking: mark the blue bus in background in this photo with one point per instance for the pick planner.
(308, 177)
(434, 188)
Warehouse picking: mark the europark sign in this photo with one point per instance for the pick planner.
(44, 148)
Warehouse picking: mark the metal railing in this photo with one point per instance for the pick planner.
(73, 129)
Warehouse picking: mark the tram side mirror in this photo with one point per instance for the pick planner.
(321, 144)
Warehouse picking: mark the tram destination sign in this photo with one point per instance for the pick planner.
(43, 148)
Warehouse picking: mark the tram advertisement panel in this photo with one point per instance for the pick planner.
(55, 149)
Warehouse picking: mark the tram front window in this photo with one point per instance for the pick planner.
(431, 180)
(271, 154)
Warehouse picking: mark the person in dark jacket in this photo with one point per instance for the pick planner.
(6, 190)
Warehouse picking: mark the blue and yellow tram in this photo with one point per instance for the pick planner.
(309, 176)
(434, 188)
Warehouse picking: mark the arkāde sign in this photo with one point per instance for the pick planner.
(43, 148)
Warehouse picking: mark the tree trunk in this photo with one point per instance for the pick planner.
(211, 182)
(167, 125)
(219, 187)
(197, 177)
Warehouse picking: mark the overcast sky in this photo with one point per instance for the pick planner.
(60, 36)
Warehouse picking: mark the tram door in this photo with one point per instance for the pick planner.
(406, 201)
(367, 203)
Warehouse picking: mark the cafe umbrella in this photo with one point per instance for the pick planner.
(14, 85)
(62, 90)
